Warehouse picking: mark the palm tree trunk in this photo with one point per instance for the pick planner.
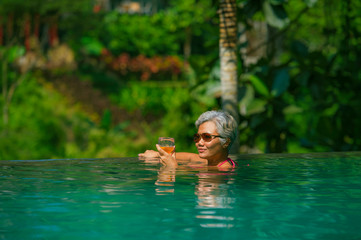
(228, 59)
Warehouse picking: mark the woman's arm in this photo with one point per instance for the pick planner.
(180, 156)
(186, 157)
(149, 154)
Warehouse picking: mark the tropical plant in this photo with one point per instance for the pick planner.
(10, 77)
(304, 102)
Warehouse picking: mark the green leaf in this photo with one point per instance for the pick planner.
(292, 109)
(280, 83)
(256, 106)
(331, 110)
(276, 15)
(247, 98)
(258, 84)
(277, 2)
(14, 53)
(106, 120)
(92, 45)
(310, 3)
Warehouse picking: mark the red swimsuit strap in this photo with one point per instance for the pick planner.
(230, 161)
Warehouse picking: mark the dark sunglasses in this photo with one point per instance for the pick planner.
(207, 137)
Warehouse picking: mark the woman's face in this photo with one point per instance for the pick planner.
(212, 149)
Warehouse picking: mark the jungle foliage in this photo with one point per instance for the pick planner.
(161, 70)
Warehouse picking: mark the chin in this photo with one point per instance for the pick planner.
(202, 155)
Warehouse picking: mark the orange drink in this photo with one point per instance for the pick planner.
(168, 149)
(167, 144)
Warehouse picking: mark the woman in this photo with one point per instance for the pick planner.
(217, 131)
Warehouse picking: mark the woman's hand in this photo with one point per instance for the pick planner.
(149, 154)
(166, 158)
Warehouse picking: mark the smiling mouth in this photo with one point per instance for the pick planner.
(200, 150)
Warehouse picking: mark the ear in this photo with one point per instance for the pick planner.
(227, 143)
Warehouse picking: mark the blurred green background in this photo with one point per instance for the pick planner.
(105, 78)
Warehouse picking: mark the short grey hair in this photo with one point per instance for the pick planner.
(225, 123)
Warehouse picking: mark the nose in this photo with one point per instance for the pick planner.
(200, 142)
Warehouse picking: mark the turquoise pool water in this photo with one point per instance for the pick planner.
(309, 196)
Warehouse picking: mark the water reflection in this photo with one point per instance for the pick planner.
(165, 181)
(212, 190)
(214, 200)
